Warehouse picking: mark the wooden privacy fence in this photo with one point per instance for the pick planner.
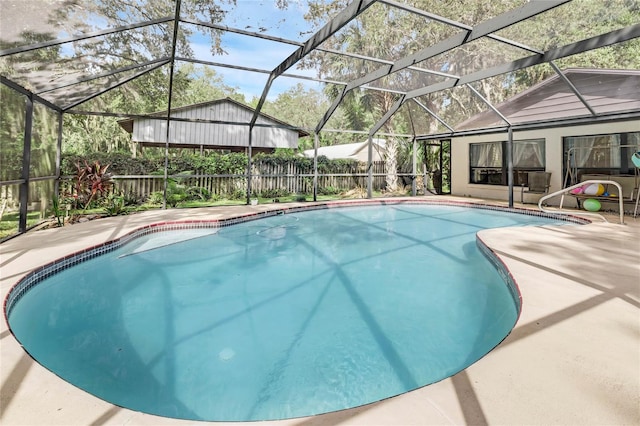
(267, 179)
(294, 180)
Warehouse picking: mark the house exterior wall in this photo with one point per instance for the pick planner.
(207, 134)
(460, 178)
(352, 151)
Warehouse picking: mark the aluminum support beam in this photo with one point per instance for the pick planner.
(56, 185)
(596, 42)
(185, 120)
(120, 83)
(297, 76)
(258, 70)
(316, 143)
(510, 164)
(370, 166)
(546, 124)
(299, 44)
(364, 132)
(174, 45)
(15, 86)
(573, 88)
(489, 104)
(249, 165)
(433, 114)
(514, 16)
(353, 10)
(441, 158)
(165, 60)
(452, 23)
(26, 165)
(343, 18)
(329, 112)
(52, 43)
(387, 116)
(481, 30)
(414, 166)
(233, 30)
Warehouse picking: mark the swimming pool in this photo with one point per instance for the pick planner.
(260, 320)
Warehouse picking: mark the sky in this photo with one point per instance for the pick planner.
(261, 16)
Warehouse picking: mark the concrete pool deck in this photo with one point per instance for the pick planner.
(573, 358)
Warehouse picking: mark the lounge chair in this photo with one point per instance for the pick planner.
(537, 183)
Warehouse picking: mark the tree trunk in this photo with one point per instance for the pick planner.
(391, 164)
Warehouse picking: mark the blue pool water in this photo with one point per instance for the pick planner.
(287, 316)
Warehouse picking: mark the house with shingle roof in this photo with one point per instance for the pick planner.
(552, 132)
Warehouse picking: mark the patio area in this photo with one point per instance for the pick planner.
(572, 358)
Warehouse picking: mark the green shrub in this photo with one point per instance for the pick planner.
(198, 193)
(58, 210)
(156, 197)
(114, 205)
(237, 194)
(131, 199)
(120, 163)
(284, 157)
(210, 164)
(176, 193)
(328, 190)
(274, 193)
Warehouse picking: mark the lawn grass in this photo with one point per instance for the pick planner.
(9, 223)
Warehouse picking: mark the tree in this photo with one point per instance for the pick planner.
(300, 107)
(12, 111)
(194, 84)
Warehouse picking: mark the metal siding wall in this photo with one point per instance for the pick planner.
(274, 137)
(149, 131)
(145, 130)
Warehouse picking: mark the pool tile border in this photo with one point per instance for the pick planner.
(43, 272)
(504, 272)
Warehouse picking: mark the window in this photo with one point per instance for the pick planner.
(489, 165)
(485, 160)
(600, 154)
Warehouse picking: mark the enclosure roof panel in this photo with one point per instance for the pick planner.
(88, 53)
